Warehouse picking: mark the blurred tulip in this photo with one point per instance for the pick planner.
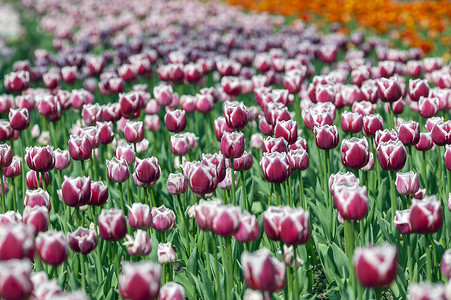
(236, 115)
(6, 155)
(163, 218)
(99, 193)
(15, 279)
(177, 184)
(409, 133)
(62, 159)
(37, 197)
(37, 217)
(147, 170)
(172, 291)
(140, 280)
(83, 240)
(166, 254)
(407, 183)
(402, 221)
(112, 224)
(426, 215)
(140, 245)
(52, 247)
(232, 144)
(32, 180)
(19, 118)
(140, 216)
(134, 132)
(16, 242)
(117, 170)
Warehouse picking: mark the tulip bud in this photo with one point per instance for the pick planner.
(166, 255)
(40, 159)
(409, 133)
(407, 183)
(163, 218)
(141, 246)
(402, 221)
(263, 272)
(10, 217)
(6, 155)
(288, 130)
(248, 230)
(16, 242)
(99, 193)
(275, 167)
(256, 141)
(425, 142)
(83, 240)
(351, 201)
(175, 120)
(372, 124)
(426, 215)
(6, 131)
(139, 216)
(112, 224)
(134, 132)
(418, 88)
(202, 178)
(37, 197)
(52, 247)
(117, 170)
(232, 144)
(354, 153)
(389, 89)
(385, 136)
(140, 280)
(244, 162)
(15, 280)
(76, 191)
(326, 137)
(172, 291)
(80, 147)
(180, 144)
(391, 155)
(299, 159)
(106, 132)
(226, 220)
(426, 291)
(441, 133)
(163, 94)
(428, 106)
(62, 159)
(351, 122)
(177, 184)
(19, 118)
(126, 152)
(147, 170)
(376, 266)
(14, 169)
(37, 217)
(220, 125)
(271, 145)
(236, 115)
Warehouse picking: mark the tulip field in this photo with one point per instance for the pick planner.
(198, 150)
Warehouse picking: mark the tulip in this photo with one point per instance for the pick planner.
(32, 180)
(19, 118)
(204, 103)
(428, 106)
(371, 124)
(177, 184)
(426, 291)
(299, 159)
(6, 155)
(265, 127)
(37, 217)
(52, 247)
(140, 280)
(16, 242)
(134, 132)
(263, 272)
(15, 280)
(125, 151)
(202, 179)
(409, 133)
(256, 141)
(166, 255)
(351, 201)
(163, 94)
(106, 132)
(354, 153)
(221, 126)
(235, 114)
(232, 144)
(140, 246)
(40, 159)
(83, 240)
(112, 224)
(248, 230)
(163, 218)
(111, 112)
(418, 88)
(175, 120)
(80, 147)
(69, 74)
(62, 159)
(426, 215)
(441, 133)
(385, 136)
(147, 170)
(391, 155)
(402, 221)
(10, 217)
(117, 170)
(271, 145)
(275, 167)
(376, 266)
(407, 183)
(389, 89)
(172, 291)
(326, 137)
(288, 130)
(226, 220)
(431, 122)
(244, 162)
(180, 144)
(76, 191)
(37, 197)
(351, 122)
(140, 216)
(99, 193)
(91, 113)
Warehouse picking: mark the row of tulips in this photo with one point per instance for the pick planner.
(136, 144)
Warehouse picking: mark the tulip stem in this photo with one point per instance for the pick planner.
(22, 147)
(13, 185)
(409, 258)
(393, 195)
(129, 193)
(288, 188)
(185, 223)
(215, 255)
(392, 116)
(122, 197)
(428, 257)
(233, 181)
(439, 173)
(424, 172)
(270, 194)
(82, 268)
(349, 249)
(301, 191)
(228, 241)
(243, 189)
(295, 273)
(3, 195)
(410, 157)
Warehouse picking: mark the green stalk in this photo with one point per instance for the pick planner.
(440, 168)
(301, 191)
(409, 258)
(13, 183)
(129, 193)
(233, 181)
(243, 189)
(227, 291)
(185, 223)
(229, 277)
(122, 198)
(295, 274)
(288, 188)
(349, 249)
(392, 116)
(428, 259)
(424, 171)
(82, 268)
(410, 157)
(216, 281)
(3, 195)
(22, 149)
(392, 196)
